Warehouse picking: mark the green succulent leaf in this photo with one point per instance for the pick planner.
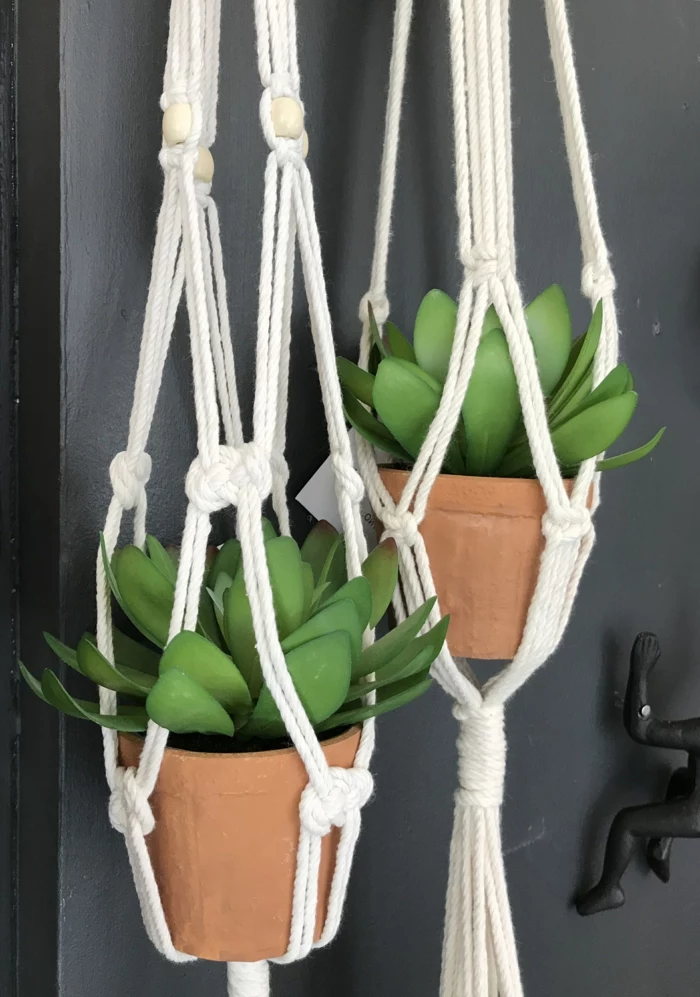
(549, 325)
(374, 358)
(623, 459)
(581, 357)
(371, 429)
(406, 399)
(338, 615)
(614, 384)
(434, 333)
(207, 665)
(320, 671)
(420, 662)
(374, 331)
(359, 591)
(381, 569)
(160, 557)
(380, 654)
(491, 407)
(97, 668)
(54, 693)
(594, 429)
(315, 549)
(491, 321)
(387, 699)
(226, 562)
(144, 593)
(183, 706)
(128, 651)
(269, 531)
(398, 344)
(357, 381)
(64, 653)
(581, 392)
(309, 589)
(333, 573)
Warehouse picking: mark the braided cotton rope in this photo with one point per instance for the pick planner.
(188, 257)
(479, 954)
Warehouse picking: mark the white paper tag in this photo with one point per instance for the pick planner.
(318, 497)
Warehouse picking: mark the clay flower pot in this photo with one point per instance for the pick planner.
(224, 846)
(484, 540)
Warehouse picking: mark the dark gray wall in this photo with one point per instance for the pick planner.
(571, 764)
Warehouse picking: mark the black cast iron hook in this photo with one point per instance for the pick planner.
(678, 816)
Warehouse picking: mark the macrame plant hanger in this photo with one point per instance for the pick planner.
(479, 952)
(188, 257)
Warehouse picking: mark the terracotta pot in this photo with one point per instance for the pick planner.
(224, 846)
(484, 540)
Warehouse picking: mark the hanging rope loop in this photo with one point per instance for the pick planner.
(129, 474)
(216, 486)
(402, 526)
(350, 790)
(380, 307)
(567, 523)
(129, 799)
(598, 280)
(482, 263)
(481, 749)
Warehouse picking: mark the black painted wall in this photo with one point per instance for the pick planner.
(87, 210)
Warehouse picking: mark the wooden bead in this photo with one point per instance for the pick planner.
(204, 167)
(305, 144)
(177, 123)
(287, 117)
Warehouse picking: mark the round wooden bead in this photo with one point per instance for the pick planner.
(287, 117)
(177, 123)
(204, 167)
(305, 144)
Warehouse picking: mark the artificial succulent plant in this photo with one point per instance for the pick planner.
(210, 681)
(393, 402)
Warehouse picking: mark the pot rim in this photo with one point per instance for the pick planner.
(220, 755)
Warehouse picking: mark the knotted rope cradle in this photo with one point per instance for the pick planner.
(479, 951)
(188, 258)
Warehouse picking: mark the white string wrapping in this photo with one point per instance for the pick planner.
(479, 951)
(188, 257)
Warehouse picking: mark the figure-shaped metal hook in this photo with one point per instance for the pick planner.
(659, 823)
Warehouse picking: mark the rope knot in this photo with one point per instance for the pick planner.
(285, 137)
(350, 790)
(176, 157)
(597, 280)
(567, 523)
(402, 526)
(348, 477)
(380, 307)
(129, 474)
(280, 467)
(218, 485)
(481, 748)
(127, 800)
(483, 263)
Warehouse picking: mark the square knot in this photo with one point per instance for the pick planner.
(129, 474)
(128, 799)
(350, 790)
(482, 263)
(380, 307)
(481, 748)
(218, 485)
(597, 280)
(402, 526)
(349, 479)
(567, 524)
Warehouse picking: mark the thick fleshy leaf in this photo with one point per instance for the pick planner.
(398, 344)
(434, 333)
(269, 531)
(359, 591)
(209, 667)
(333, 573)
(582, 354)
(614, 384)
(420, 662)
(144, 593)
(357, 381)
(381, 569)
(315, 549)
(128, 651)
(549, 325)
(97, 668)
(623, 459)
(374, 358)
(64, 653)
(309, 589)
(160, 557)
(406, 400)
(564, 410)
(182, 706)
(222, 584)
(287, 580)
(387, 700)
(370, 429)
(380, 654)
(374, 331)
(491, 407)
(339, 615)
(226, 561)
(56, 695)
(320, 671)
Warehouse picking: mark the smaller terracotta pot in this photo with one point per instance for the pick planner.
(225, 842)
(484, 540)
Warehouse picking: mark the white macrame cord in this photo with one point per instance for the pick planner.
(188, 257)
(479, 952)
